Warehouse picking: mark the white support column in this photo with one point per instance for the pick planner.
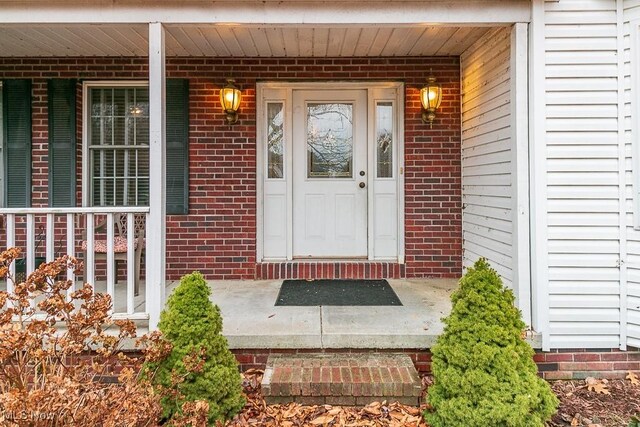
(520, 167)
(538, 175)
(155, 246)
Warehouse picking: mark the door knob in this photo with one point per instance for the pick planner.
(361, 173)
(362, 185)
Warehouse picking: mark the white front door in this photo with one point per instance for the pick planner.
(330, 175)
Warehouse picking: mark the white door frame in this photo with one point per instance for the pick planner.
(283, 92)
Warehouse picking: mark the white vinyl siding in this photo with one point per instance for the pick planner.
(583, 179)
(487, 189)
(632, 149)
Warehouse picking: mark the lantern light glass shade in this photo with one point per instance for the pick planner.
(430, 97)
(230, 97)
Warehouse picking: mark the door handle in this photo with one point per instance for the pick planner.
(362, 185)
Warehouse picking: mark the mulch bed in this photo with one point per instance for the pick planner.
(612, 406)
(594, 403)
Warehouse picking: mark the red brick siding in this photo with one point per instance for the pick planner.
(218, 237)
(558, 364)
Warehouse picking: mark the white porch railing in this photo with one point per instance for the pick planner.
(59, 229)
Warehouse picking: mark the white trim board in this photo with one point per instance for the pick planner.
(282, 92)
(488, 12)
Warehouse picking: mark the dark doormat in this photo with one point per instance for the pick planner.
(337, 292)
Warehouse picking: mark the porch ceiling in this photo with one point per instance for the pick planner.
(238, 40)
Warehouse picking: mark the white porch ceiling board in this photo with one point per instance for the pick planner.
(12, 44)
(350, 41)
(239, 41)
(133, 34)
(380, 41)
(245, 40)
(336, 41)
(126, 38)
(67, 42)
(456, 40)
(367, 35)
(305, 41)
(262, 44)
(320, 42)
(172, 44)
(184, 41)
(276, 41)
(215, 41)
(230, 40)
(396, 40)
(197, 40)
(99, 38)
(290, 36)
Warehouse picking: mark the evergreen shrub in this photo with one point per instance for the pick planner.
(200, 357)
(484, 373)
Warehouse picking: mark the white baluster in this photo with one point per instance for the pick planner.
(31, 243)
(131, 266)
(11, 242)
(51, 237)
(89, 266)
(110, 259)
(71, 249)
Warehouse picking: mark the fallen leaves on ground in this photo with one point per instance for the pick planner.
(633, 378)
(582, 404)
(598, 386)
(375, 414)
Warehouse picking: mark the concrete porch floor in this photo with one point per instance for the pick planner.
(252, 321)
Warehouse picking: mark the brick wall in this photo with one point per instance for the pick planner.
(557, 364)
(219, 234)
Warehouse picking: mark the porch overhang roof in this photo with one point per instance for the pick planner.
(249, 28)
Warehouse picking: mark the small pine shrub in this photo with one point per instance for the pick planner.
(484, 374)
(200, 358)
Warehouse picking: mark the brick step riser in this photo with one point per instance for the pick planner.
(341, 379)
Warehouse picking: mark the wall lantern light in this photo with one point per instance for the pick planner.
(230, 97)
(431, 97)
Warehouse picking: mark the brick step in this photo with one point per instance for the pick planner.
(341, 379)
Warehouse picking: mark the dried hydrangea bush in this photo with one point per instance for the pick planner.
(61, 358)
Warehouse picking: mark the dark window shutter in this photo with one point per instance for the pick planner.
(17, 138)
(177, 128)
(62, 142)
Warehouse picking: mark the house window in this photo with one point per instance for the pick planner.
(117, 144)
(384, 139)
(275, 140)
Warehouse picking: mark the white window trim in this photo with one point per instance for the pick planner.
(261, 171)
(86, 86)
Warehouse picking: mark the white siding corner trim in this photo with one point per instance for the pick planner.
(630, 288)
